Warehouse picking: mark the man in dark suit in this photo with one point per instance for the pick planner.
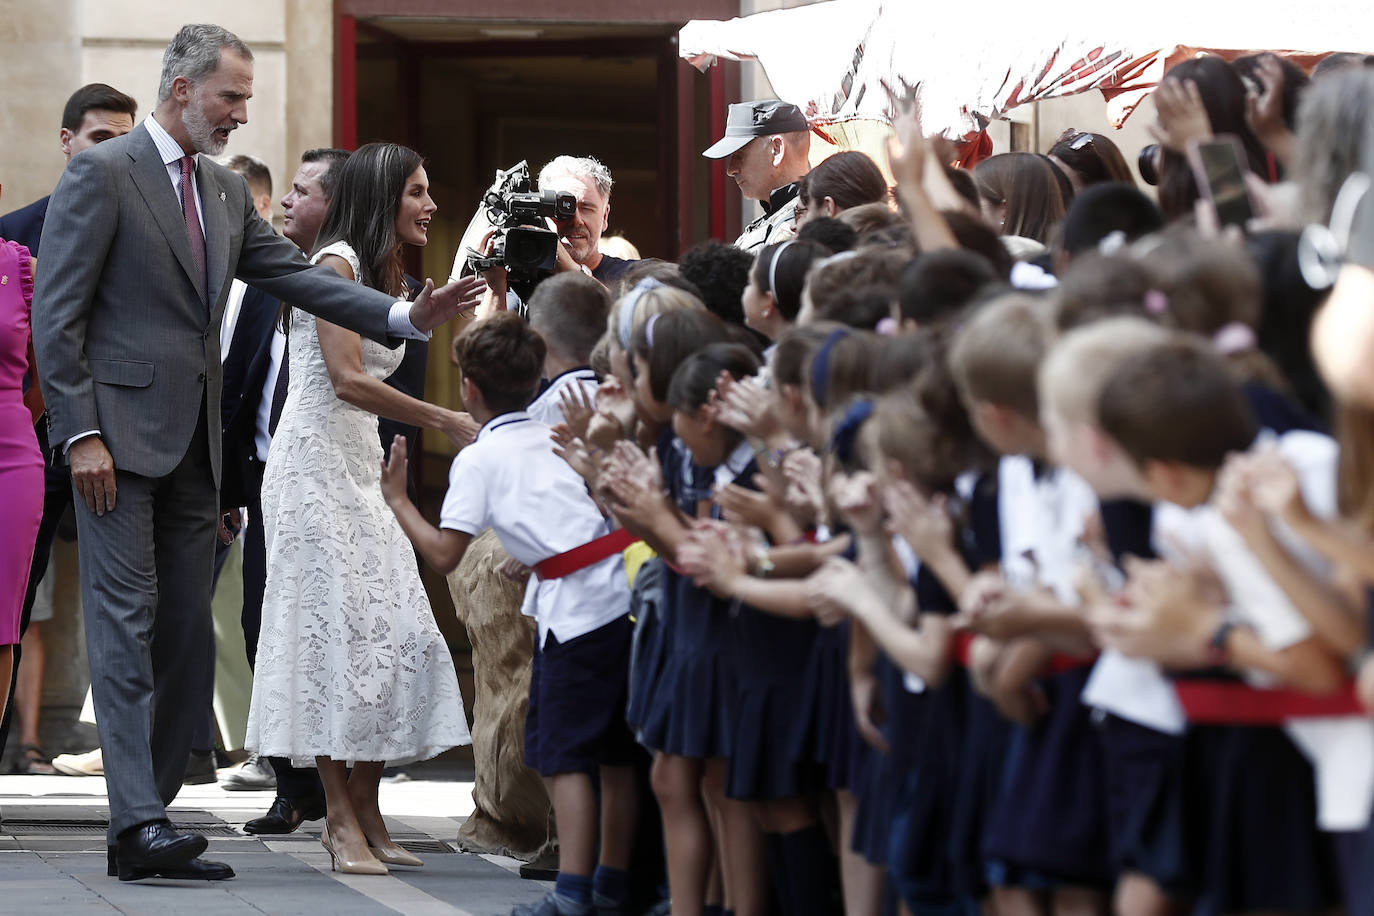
(142, 239)
(94, 113)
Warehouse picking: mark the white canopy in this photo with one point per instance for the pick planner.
(975, 61)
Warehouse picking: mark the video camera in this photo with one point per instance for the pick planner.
(526, 252)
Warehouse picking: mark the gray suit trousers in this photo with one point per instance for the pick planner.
(146, 570)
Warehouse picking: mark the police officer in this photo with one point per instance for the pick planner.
(766, 148)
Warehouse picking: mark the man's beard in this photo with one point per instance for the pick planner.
(201, 132)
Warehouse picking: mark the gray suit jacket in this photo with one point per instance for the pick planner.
(125, 341)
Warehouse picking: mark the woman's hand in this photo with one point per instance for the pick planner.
(394, 473)
(1182, 117)
(461, 428)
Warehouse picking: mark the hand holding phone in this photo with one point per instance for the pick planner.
(1219, 168)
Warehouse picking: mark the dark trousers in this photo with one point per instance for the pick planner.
(146, 569)
(57, 496)
(292, 782)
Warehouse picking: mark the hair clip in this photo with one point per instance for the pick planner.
(1112, 242)
(649, 328)
(1234, 338)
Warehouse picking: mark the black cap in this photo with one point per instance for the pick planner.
(748, 120)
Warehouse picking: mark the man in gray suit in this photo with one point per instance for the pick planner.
(143, 236)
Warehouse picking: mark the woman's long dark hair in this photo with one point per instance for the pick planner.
(363, 211)
(1223, 95)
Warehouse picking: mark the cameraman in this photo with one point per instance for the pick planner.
(590, 183)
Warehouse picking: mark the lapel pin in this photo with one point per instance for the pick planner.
(221, 195)
(4, 281)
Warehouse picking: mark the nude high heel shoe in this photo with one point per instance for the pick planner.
(348, 866)
(395, 855)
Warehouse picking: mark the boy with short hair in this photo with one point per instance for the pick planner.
(1179, 414)
(568, 311)
(510, 480)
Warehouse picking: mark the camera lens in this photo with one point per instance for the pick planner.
(1147, 162)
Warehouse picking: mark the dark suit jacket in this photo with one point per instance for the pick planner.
(245, 372)
(25, 225)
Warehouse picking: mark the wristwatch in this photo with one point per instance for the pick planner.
(763, 564)
(1218, 655)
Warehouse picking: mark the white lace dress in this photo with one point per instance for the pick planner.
(350, 662)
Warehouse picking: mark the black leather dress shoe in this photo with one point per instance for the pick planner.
(154, 847)
(195, 870)
(286, 815)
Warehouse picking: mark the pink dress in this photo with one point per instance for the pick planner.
(21, 463)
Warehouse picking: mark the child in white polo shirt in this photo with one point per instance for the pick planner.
(510, 480)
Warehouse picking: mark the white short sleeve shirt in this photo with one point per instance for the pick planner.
(510, 480)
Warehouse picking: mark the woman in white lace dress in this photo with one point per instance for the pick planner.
(351, 669)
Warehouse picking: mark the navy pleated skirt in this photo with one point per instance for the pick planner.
(683, 682)
(1051, 819)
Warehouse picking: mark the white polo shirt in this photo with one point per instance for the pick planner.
(1341, 749)
(548, 407)
(510, 480)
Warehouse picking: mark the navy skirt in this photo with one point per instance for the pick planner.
(1258, 847)
(683, 702)
(773, 745)
(924, 870)
(987, 738)
(1051, 821)
(649, 645)
(1150, 822)
(884, 776)
(837, 745)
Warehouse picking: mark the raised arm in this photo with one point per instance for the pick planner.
(343, 357)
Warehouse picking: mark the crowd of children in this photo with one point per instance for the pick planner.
(981, 583)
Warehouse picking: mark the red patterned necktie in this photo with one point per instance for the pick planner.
(188, 211)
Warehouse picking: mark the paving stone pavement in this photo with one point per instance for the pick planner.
(52, 856)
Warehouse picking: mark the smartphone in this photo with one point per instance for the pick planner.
(1219, 168)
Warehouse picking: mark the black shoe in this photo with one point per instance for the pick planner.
(154, 847)
(195, 870)
(200, 769)
(286, 815)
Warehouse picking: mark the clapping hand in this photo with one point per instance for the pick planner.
(804, 497)
(434, 307)
(715, 555)
(1264, 111)
(576, 453)
(578, 408)
(746, 407)
(836, 589)
(1163, 615)
(1273, 484)
(394, 473)
(923, 523)
(857, 501)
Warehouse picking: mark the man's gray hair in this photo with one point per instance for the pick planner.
(579, 167)
(1335, 138)
(194, 54)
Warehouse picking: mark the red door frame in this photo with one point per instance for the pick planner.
(676, 84)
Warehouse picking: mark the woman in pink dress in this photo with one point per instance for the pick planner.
(21, 463)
